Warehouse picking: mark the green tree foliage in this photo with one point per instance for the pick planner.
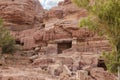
(104, 18)
(7, 43)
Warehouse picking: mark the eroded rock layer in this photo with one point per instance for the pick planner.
(21, 14)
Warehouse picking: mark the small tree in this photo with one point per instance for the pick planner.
(104, 18)
(7, 43)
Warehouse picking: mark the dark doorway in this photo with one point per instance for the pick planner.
(101, 63)
(19, 43)
(63, 46)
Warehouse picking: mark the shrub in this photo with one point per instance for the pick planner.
(7, 42)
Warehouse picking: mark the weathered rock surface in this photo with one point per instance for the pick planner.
(79, 48)
(43, 62)
(61, 23)
(21, 14)
(100, 74)
(64, 9)
(24, 74)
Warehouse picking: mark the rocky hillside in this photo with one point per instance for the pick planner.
(59, 23)
(51, 44)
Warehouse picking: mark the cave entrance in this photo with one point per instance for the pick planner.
(18, 42)
(63, 46)
(101, 63)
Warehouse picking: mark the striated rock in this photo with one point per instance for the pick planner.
(64, 9)
(21, 14)
(100, 74)
(58, 28)
(23, 74)
(29, 43)
(58, 13)
(90, 59)
(61, 23)
(42, 62)
(64, 60)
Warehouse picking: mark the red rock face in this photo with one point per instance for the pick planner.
(56, 13)
(64, 9)
(65, 2)
(60, 25)
(20, 14)
(61, 22)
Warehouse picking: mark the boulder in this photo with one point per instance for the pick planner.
(66, 70)
(55, 69)
(32, 58)
(100, 74)
(43, 62)
(37, 49)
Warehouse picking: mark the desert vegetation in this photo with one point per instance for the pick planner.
(7, 43)
(104, 18)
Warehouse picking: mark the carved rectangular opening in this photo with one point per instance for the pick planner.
(19, 43)
(63, 46)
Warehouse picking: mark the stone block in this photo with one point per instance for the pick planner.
(51, 49)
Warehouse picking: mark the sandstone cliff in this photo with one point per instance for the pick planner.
(21, 14)
(59, 23)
